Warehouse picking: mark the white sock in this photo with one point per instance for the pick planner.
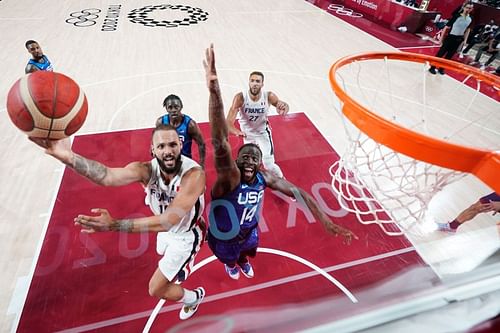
(189, 297)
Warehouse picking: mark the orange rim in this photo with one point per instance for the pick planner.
(482, 163)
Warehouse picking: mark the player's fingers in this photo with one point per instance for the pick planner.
(102, 211)
(39, 142)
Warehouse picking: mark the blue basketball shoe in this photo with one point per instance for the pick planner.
(247, 269)
(234, 273)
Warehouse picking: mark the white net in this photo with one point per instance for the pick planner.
(383, 186)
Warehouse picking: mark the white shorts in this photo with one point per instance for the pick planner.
(265, 143)
(179, 251)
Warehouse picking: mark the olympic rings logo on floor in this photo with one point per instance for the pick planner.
(341, 10)
(84, 18)
(141, 16)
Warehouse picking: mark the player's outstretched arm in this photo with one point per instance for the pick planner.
(191, 187)
(93, 170)
(228, 175)
(233, 112)
(302, 196)
(195, 133)
(281, 107)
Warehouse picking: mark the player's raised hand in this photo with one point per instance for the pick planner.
(209, 65)
(102, 222)
(282, 108)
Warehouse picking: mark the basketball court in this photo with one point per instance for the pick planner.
(127, 57)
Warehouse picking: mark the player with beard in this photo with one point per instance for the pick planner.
(38, 61)
(237, 194)
(253, 108)
(175, 185)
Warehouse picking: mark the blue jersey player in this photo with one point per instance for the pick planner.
(186, 127)
(38, 61)
(237, 194)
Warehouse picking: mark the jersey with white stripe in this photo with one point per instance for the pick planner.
(159, 195)
(253, 114)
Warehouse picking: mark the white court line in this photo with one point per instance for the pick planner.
(21, 18)
(236, 292)
(339, 285)
(23, 293)
(143, 93)
(261, 12)
(201, 71)
(419, 47)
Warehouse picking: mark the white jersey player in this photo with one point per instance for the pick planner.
(253, 108)
(175, 186)
(186, 234)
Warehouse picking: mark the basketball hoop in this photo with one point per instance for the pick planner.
(422, 133)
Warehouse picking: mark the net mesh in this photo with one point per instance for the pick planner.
(382, 186)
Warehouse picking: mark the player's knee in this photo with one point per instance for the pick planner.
(156, 290)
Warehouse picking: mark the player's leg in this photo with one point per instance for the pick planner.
(226, 252)
(176, 265)
(469, 213)
(491, 59)
(266, 144)
(248, 249)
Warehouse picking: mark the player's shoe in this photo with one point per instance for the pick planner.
(247, 269)
(234, 273)
(445, 227)
(432, 71)
(187, 311)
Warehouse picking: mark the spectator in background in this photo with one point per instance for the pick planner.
(459, 28)
(492, 48)
(478, 35)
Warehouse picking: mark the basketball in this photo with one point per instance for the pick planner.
(47, 105)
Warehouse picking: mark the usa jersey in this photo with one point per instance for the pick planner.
(183, 133)
(253, 115)
(43, 66)
(245, 200)
(159, 195)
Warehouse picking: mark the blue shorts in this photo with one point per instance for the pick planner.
(229, 251)
(490, 197)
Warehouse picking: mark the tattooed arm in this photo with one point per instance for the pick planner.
(191, 188)
(93, 170)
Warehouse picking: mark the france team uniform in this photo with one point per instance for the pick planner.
(182, 242)
(46, 65)
(246, 202)
(183, 132)
(253, 122)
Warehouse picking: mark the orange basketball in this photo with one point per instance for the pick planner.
(47, 105)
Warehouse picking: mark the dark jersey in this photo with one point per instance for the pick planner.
(183, 132)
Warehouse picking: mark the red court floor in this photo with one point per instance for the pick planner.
(99, 282)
